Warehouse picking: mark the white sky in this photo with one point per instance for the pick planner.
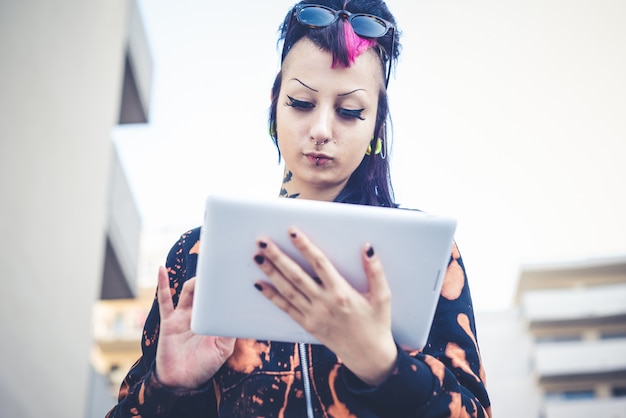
(508, 115)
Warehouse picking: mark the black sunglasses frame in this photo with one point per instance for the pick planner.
(348, 16)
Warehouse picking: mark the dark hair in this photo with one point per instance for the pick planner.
(370, 183)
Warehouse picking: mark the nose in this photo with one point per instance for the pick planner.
(321, 126)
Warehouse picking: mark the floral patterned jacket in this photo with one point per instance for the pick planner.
(265, 379)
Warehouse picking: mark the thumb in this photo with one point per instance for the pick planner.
(225, 346)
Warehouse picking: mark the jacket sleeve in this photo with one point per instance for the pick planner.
(141, 394)
(446, 378)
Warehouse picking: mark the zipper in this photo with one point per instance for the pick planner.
(304, 364)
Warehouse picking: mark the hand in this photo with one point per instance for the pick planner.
(185, 360)
(355, 326)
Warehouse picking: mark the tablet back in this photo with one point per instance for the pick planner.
(414, 248)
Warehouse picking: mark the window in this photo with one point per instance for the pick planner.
(570, 395)
(582, 394)
(614, 335)
(557, 339)
(619, 392)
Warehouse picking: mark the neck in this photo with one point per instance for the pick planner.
(291, 189)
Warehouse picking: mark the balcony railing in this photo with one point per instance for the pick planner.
(596, 408)
(598, 360)
(575, 303)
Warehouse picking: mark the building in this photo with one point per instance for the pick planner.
(70, 72)
(118, 322)
(576, 317)
(559, 352)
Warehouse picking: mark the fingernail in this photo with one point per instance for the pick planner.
(370, 252)
(317, 280)
(262, 244)
(293, 235)
(258, 287)
(259, 259)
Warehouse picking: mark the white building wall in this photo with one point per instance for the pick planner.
(506, 349)
(124, 225)
(60, 73)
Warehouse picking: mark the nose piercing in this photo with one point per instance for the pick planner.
(321, 143)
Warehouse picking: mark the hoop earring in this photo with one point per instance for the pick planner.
(377, 150)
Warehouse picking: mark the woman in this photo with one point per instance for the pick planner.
(328, 120)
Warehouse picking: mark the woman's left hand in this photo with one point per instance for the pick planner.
(355, 326)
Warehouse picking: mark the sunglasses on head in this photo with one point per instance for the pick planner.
(365, 25)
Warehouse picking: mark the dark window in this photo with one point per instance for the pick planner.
(570, 395)
(558, 339)
(114, 282)
(619, 392)
(131, 109)
(614, 336)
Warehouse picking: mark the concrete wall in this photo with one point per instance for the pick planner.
(60, 76)
(506, 349)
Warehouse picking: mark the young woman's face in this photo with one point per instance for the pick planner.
(325, 119)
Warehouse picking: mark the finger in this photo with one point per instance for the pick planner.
(288, 280)
(325, 270)
(186, 295)
(378, 285)
(286, 267)
(279, 300)
(164, 293)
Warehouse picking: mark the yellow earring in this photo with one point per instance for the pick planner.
(272, 130)
(379, 147)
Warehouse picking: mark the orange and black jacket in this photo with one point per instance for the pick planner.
(265, 379)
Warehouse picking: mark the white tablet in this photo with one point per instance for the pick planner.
(414, 248)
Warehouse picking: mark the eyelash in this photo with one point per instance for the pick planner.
(343, 113)
(351, 113)
(299, 104)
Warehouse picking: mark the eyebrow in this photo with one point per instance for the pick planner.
(350, 92)
(310, 88)
(339, 95)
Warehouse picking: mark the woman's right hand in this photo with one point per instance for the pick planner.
(184, 359)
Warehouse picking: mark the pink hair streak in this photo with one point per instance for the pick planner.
(355, 45)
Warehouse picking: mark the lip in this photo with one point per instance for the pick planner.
(317, 158)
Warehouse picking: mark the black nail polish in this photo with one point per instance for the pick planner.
(259, 259)
(294, 235)
(370, 252)
(317, 280)
(258, 287)
(262, 244)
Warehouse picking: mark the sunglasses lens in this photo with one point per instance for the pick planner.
(368, 26)
(316, 16)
